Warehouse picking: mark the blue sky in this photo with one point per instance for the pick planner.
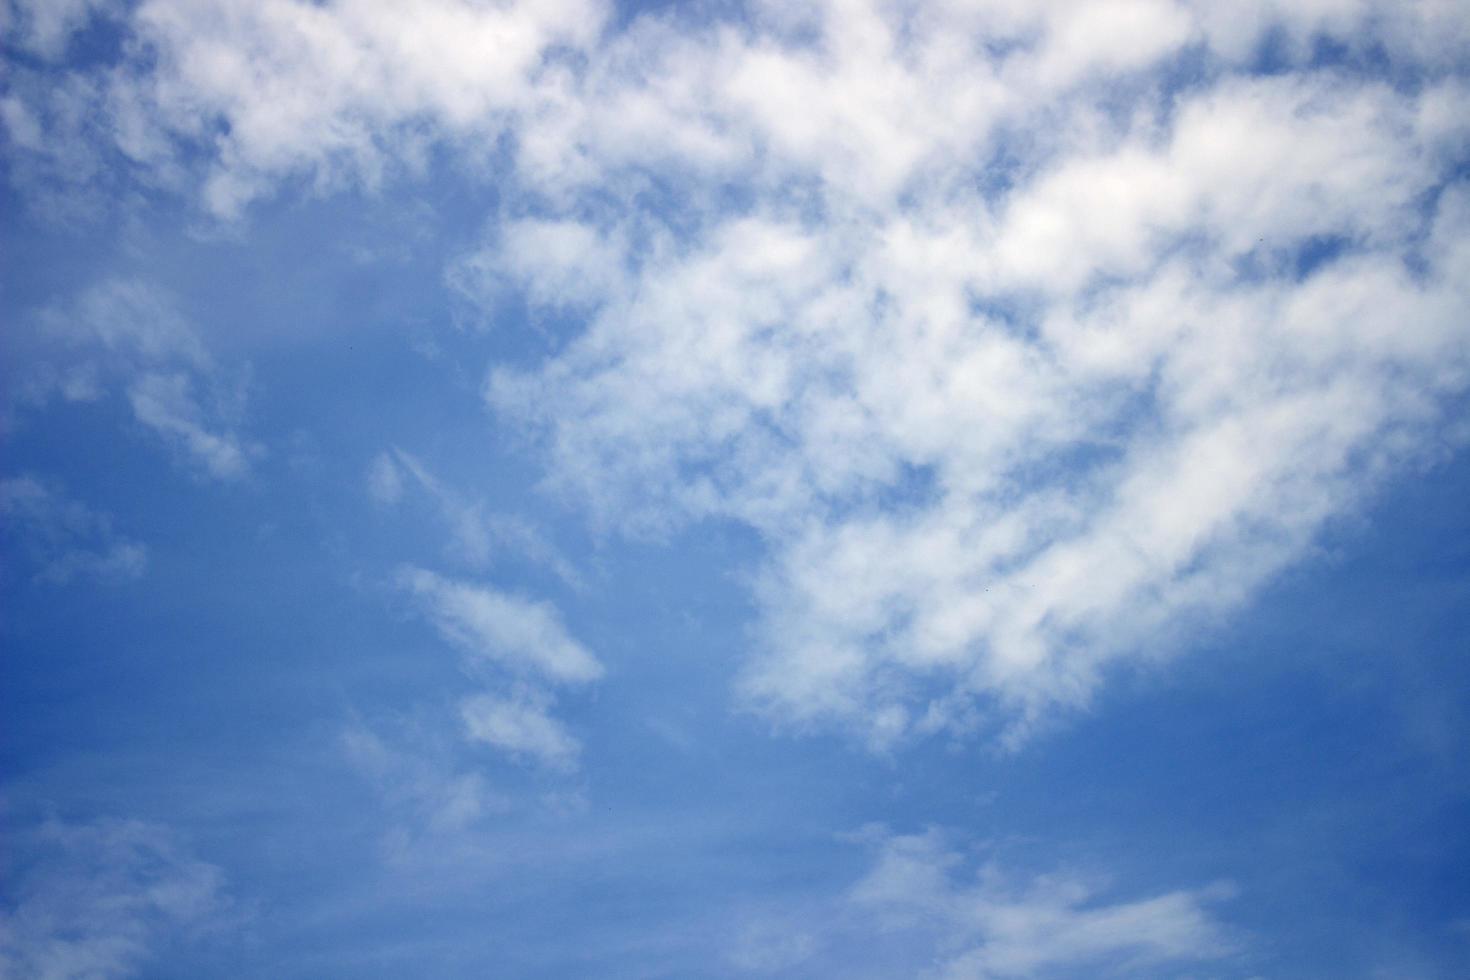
(960, 490)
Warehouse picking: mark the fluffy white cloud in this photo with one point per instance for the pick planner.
(332, 92)
(101, 899)
(1025, 334)
(1019, 395)
(65, 539)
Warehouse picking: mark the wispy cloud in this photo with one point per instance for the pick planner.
(419, 783)
(64, 539)
(478, 535)
(521, 725)
(46, 27)
(522, 635)
(102, 899)
(127, 334)
(995, 926)
(166, 404)
(529, 650)
(922, 909)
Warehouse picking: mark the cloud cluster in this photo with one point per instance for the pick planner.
(101, 899)
(1028, 339)
(329, 95)
(1025, 334)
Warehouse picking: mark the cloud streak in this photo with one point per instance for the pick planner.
(994, 928)
(477, 535)
(65, 539)
(127, 334)
(523, 645)
(521, 725)
(921, 909)
(521, 635)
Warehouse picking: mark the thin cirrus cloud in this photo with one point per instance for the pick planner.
(1020, 357)
(527, 651)
(128, 336)
(477, 535)
(523, 636)
(104, 899)
(521, 725)
(922, 908)
(998, 927)
(64, 539)
(417, 785)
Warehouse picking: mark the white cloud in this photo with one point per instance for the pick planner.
(994, 927)
(1001, 436)
(130, 319)
(923, 909)
(519, 634)
(529, 647)
(127, 333)
(337, 92)
(559, 264)
(522, 726)
(102, 899)
(432, 794)
(46, 27)
(478, 535)
(1027, 335)
(166, 404)
(65, 539)
(385, 483)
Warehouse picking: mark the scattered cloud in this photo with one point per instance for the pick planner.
(63, 538)
(995, 927)
(102, 899)
(922, 909)
(1024, 393)
(166, 404)
(340, 94)
(478, 535)
(521, 635)
(1029, 337)
(420, 784)
(128, 334)
(522, 726)
(45, 27)
(527, 649)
